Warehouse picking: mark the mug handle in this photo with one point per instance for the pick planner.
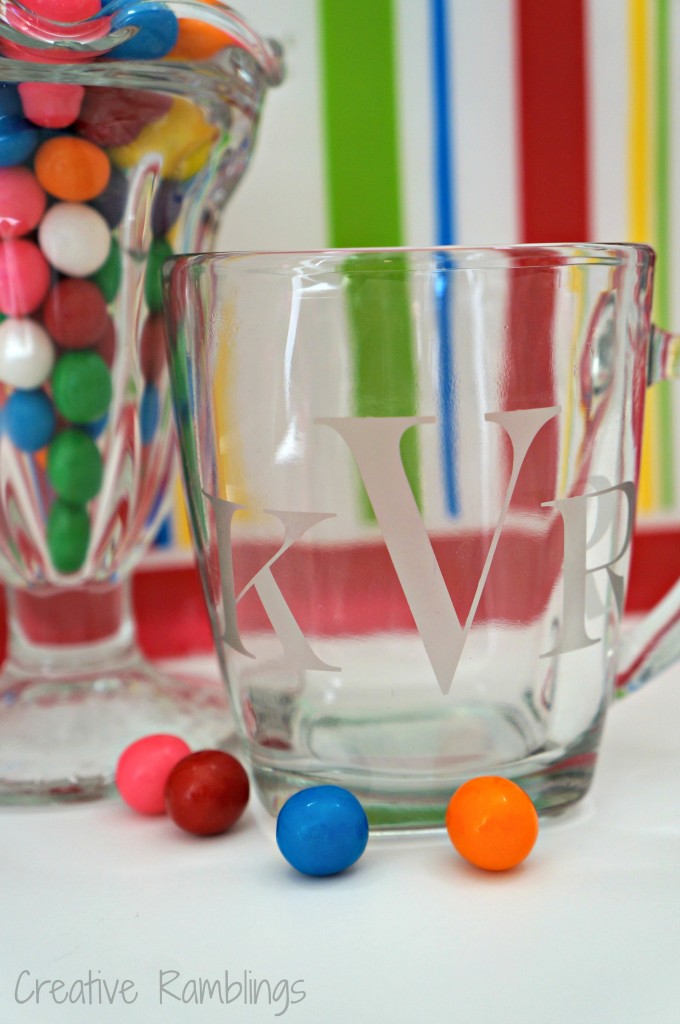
(654, 643)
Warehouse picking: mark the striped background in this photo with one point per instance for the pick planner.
(476, 121)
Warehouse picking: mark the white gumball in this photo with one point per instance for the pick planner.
(75, 239)
(26, 354)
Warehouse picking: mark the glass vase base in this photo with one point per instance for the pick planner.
(61, 736)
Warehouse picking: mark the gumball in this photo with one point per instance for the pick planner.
(167, 205)
(106, 343)
(96, 428)
(182, 136)
(68, 536)
(111, 202)
(115, 117)
(149, 413)
(207, 792)
(81, 386)
(143, 769)
(72, 169)
(10, 103)
(197, 40)
(322, 830)
(29, 18)
(74, 466)
(18, 140)
(24, 277)
(159, 252)
(26, 353)
(29, 420)
(152, 347)
(68, 12)
(74, 238)
(22, 202)
(109, 275)
(75, 313)
(492, 823)
(156, 30)
(51, 104)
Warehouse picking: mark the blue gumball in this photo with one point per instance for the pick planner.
(29, 420)
(111, 202)
(96, 428)
(167, 205)
(149, 413)
(10, 102)
(322, 830)
(18, 140)
(156, 25)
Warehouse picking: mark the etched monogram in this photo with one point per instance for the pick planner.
(374, 443)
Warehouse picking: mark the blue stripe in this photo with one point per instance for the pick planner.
(163, 538)
(445, 212)
(445, 216)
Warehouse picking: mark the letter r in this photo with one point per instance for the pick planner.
(575, 572)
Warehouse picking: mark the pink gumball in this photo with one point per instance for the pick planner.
(22, 201)
(24, 277)
(51, 104)
(65, 11)
(143, 770)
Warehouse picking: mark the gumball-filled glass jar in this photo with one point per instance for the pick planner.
(124, 128)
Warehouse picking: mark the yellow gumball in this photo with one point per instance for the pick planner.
(182, 137)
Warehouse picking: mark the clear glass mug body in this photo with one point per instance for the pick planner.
(82, 501)
(411, 477)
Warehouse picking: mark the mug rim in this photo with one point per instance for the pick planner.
(527, 255)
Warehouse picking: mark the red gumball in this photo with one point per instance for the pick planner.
(152, 347)
(207, 792)
(106, 343)
(115, 117)
(75, 313)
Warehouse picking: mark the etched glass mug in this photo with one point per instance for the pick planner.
(122, 136)
(411, 477)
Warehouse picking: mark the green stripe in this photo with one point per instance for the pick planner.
(662, 287)
(382, 350)
(359, 88)
(362, 159)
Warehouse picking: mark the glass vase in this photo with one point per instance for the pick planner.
(123, 131)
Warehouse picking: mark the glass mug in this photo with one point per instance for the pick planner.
(411, 477)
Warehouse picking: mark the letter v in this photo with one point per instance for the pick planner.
(110, 995)
(375, 445)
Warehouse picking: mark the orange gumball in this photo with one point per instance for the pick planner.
(197, 40)
(492, 823)
(72, 169)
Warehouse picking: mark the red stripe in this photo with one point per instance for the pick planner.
(528, 381)
(553, 136)
(550, 69)
(354, 590)
(173, 622)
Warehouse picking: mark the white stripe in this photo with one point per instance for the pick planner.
(281, 203)
(415, 121)
(609, 104)
(484, 119)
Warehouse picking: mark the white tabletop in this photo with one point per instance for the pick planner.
(587, 931)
